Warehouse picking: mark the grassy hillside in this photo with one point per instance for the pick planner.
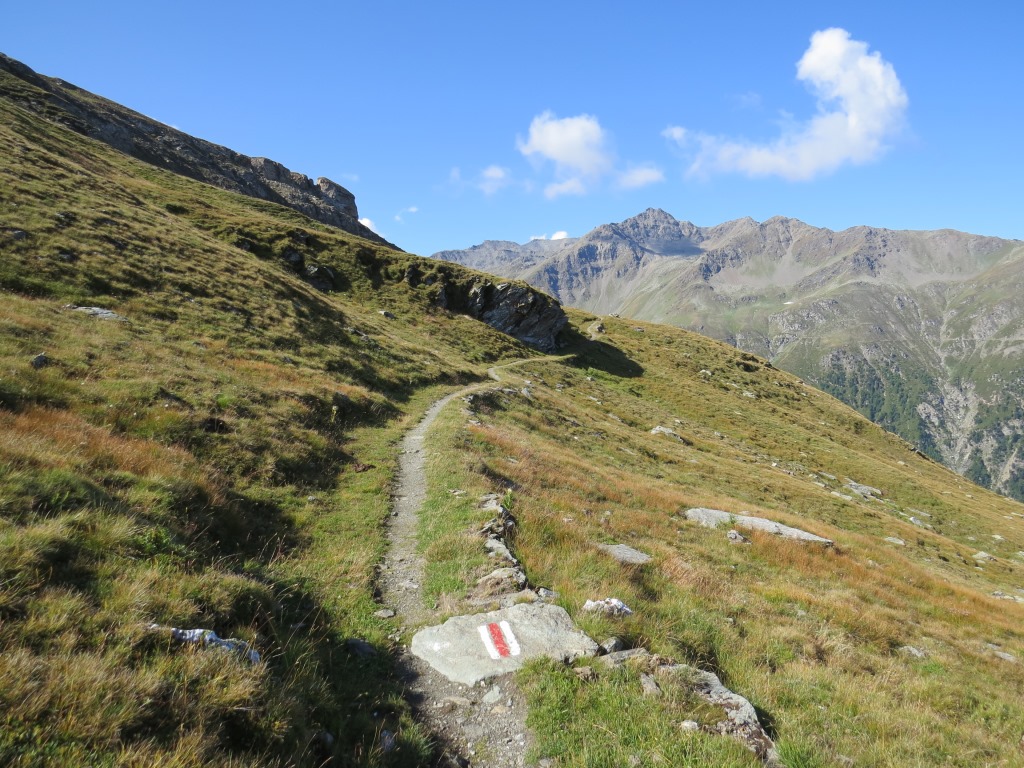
(219, 455)
(814, 637)
(217, 458)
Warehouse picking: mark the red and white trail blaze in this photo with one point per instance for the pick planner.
(499, 640)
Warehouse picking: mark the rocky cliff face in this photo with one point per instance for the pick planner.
(921, 331)
(513, 308)
(163, 146)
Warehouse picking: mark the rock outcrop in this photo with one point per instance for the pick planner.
(153, 142)
(513, 308)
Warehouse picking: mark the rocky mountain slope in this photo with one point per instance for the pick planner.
(165, 147)
(923, 332)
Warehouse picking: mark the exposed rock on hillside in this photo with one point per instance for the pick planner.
(513, 308)
(165, 147)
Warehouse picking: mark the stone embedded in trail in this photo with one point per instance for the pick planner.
(500, 581)
(712, 518)
(467, 649)
(496, 548)
(625, 554)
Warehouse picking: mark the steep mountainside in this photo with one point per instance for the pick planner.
(168, 148)
(920, 331)
(202, 400)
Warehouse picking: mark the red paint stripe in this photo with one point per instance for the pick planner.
(499, 640)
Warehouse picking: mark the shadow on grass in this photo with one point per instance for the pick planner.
(599, 355)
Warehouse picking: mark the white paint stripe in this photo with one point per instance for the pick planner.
(485, 635)
(510, 639)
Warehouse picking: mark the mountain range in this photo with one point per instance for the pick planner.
(921, 331)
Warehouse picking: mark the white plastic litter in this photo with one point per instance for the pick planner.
(208, 637)
(610, 606)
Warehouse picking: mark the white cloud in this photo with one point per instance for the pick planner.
(576, 145)
(861, 104)
(573, 186)
(640, 176)
(560, 235)
(492, 179)
(677, 133)
(368, 223)
(401, 213)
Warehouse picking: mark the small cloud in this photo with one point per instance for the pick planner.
(492, 179)
(559, 235)
(455, 176)
(861, 104)
(368, 223)
(676, 133)
(401, 213)
(640, 176)
(567, 187)
(748, 100)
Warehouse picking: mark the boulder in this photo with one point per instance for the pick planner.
(625, 554)
(712, 518)
(468, 649)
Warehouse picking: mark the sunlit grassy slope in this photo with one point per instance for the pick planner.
(220, 458)
(812, 636)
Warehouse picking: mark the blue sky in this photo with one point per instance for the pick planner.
(458, 122)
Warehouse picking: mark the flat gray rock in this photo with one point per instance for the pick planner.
(712, 518)
(625, 554)
(467, 649)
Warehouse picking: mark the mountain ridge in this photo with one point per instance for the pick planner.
(166, 147)
(901, 324)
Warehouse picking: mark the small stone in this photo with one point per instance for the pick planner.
(982, 556)
(500, 581)
(586, 674)
(735, 537)
(617, 659)
(360, 648)
(386, 315)
(649, 685)
(1006, 656)
(385, 613)
(690, 725)
(612, 645)
(40, 361)
(492, 696)
(909, 650)
(896, 541)
(610, 606)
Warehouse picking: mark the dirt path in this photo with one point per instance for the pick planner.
(484, 727)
